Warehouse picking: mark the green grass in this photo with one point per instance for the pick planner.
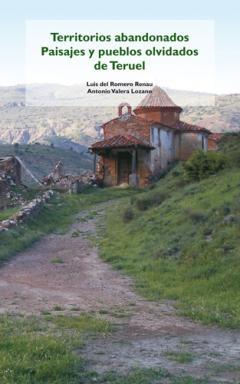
(33, 350)
(84, 323)
(186, 247)
(8, 213)
(46, 350)
(56, 216)
(180, 357)
(57, 260)
(146, 376)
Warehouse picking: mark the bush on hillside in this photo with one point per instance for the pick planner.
(203, 164)
(230, 144)
(234, 158)
(150, 200)
(195, 215)
(128, 215)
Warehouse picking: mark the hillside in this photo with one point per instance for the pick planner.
(77, 124)
(180, 240)
(223, 117)
(41, 159)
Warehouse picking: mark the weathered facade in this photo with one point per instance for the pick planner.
(139, 145)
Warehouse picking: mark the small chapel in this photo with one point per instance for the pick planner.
(138, 145)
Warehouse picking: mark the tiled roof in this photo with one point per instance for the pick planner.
(158, 98)
(181, 125)
(127, 118)
(216, 136)
(120, 141)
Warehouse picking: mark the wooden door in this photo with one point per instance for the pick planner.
(124, 167)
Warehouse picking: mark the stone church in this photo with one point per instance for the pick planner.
(138, 145)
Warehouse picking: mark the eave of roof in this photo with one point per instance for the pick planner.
(180, 126)
(183, 126)
(121, 141)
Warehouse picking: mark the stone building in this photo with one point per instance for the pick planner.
(138, 145)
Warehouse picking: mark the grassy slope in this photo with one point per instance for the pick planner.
(42, 349)
(187, 248)
(41, 159)
(8, 213)
(56, 216)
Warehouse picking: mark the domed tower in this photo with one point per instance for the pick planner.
(157, 106)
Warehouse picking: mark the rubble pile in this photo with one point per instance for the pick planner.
(8, 196)
(74, 184)
(26, 211)
(69, 182)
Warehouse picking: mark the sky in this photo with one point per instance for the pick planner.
(226, 15)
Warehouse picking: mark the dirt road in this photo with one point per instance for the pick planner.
(63, 272)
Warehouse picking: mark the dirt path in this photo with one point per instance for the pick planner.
(64, 272)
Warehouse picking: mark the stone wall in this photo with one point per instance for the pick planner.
(128, 125)
(28, 210)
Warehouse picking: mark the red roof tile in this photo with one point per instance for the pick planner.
(183, 126)
(121, 141)
(128, 118)
(158, 98)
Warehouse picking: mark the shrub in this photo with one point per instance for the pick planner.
(142, 204)
(151, 200)
(128, 215)
(203, 164)
(195, 216)
(234, 157)
(176, 173)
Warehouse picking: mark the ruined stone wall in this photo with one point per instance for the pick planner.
(12, 168)
(28, 210)
(3, 194)
(10, 174)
